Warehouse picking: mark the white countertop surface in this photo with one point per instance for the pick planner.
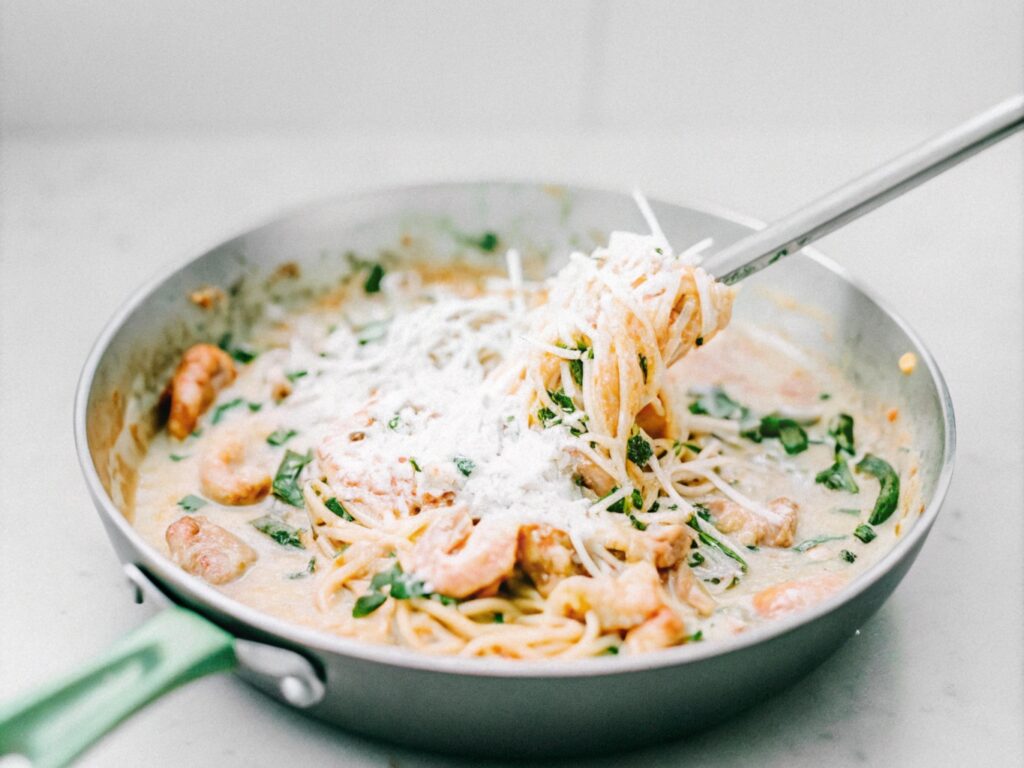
(935, 678)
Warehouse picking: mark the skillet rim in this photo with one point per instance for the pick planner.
(318, 642)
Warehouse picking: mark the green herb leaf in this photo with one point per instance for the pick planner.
(790, 434)
(638, 450)
(838, 477)
(639, 525)
(393, 422)
(562, 400)
(847, 555)
(367, 604)
(281, 436)
(254, 406)
(466, 466)
(295, 375)
(372, 284)
(278, 530)
(717, 403)
(499, 618)
(576, 370)
(486, 242)
(307, 571)
(547, 417)
(220, 410)
(178, 456)
(335, 506)
(696, 559)
(700, 341)
(865, 533)
(803, 546)
(643, 367)
(841, 428)
(619, 506)
(240, 354)
(711, 541)
(696, 637)
(191, 503)
(889, 482)
(286, 481)
(416, 467)
(847, 511)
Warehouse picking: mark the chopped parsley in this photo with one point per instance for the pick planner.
(286, 481)
(547, 417)
(638, 450)
(281, 436)
(372, 284)
(838, 477)
(576, 370)
(465, 466)
(191, 503)
(393, 422)
(711, 541)
(812, 543)
(307, 571)
(295, 375)
(499, 618)
(717, 403)
(700, 341)
(178, 456)
(841, 428)
(279, 531)
(486, 241)
(335, 506)
(695, 560)
(847, 555)
(696, 637)
(415, 466)
(220, 410)
(865, 533)
(889, 482)
(643, 367)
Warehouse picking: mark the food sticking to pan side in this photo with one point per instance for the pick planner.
(462, 461)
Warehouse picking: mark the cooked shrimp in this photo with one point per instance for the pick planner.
(775, 528)
(204, 370)
(662, 545)
(620, 602)
(546, 555)
(457, 559)
(663, 629)
(691, 591)
(790, 596)
(207, 550)
(227, 479)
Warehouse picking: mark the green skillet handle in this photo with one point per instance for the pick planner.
(52, 726)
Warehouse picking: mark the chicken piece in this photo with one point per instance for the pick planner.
(204, 371)
(776, 527)
(662, 630)
(791, 596)
(458, 559)
(207, 550)
(621, 602)
(227, 479)
(546, 555)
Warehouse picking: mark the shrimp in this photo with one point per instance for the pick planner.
(227, 479)
(790, 596)
(207, 550)
(620, 602)
(663, 629)
(776, 529)
(204, 370)
(546, 556)
(662, 545)
(692, 592)
(457, 559)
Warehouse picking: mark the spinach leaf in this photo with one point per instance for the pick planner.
(278, 530)
(367, 604)
(465, 466)
(372, 284)
(191, 503)
(281, 436)
(790, 434)
(335, 506)
(401, 586)
(286, 481)
(838, 477)
(865, 533)
(841, 428)
(803, 546)
(711, 541)
(889, 482)
(220, 410)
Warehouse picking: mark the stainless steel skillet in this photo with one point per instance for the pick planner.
(452, 704)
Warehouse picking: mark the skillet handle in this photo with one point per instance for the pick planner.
(53, 725)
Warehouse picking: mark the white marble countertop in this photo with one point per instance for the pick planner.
(934, 679)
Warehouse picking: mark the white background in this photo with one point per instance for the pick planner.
(137, 133)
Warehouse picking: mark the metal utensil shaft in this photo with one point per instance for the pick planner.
(853, 200)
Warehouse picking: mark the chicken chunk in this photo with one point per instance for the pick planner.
(546, 555)
(774, 526)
